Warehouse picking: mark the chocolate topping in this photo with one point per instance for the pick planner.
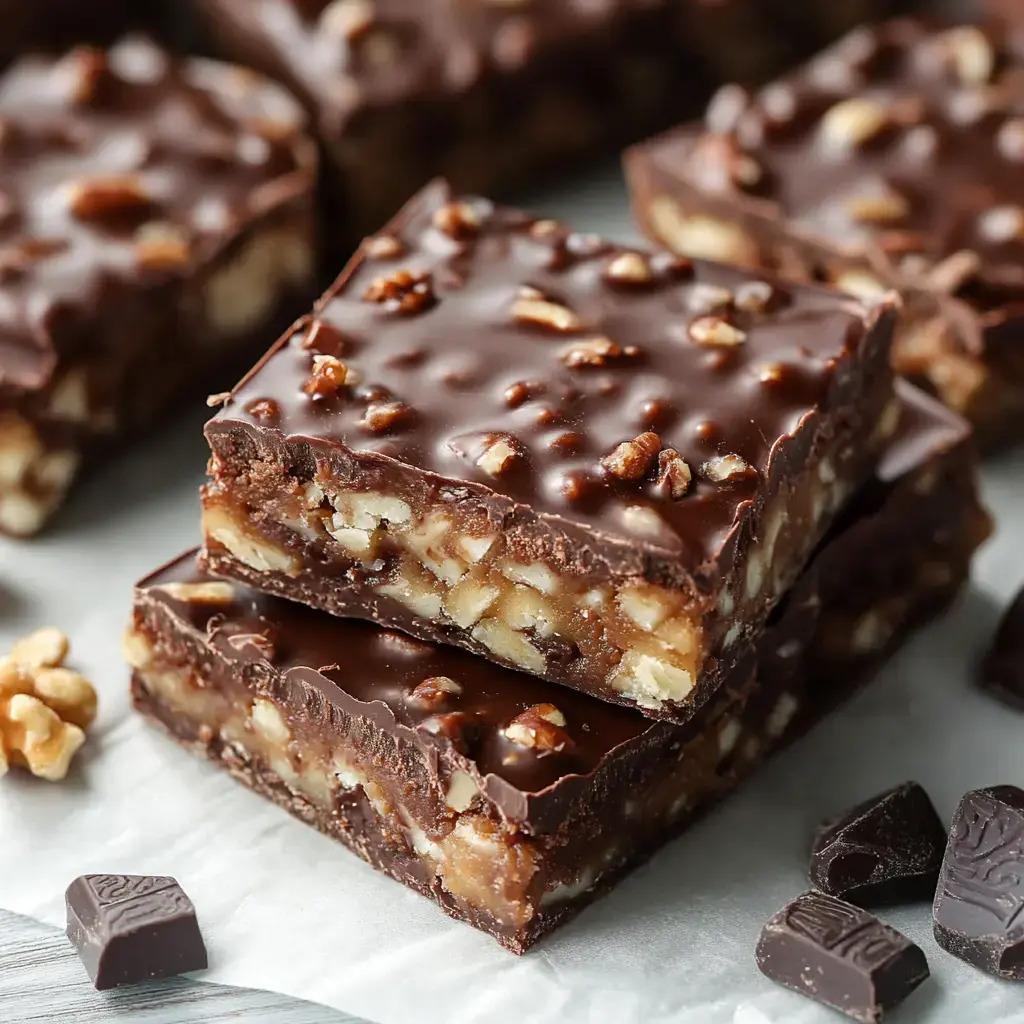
(517, 360)
(119, 170)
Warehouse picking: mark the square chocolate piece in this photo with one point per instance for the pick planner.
(895, 159)
(156, 226)
(510, 801)
(597, 465)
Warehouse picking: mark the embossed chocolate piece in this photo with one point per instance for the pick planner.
(886, 850)
(892, 159)
(979, 902)
(508, 800)
(840, 955)
(156, 228)
(1001, 673)
(132, 928)
(543, 450)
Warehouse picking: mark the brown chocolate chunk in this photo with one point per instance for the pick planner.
(1001, 673)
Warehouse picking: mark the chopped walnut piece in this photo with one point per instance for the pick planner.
(498, 456)
(853, 122)
(725, 467)
(161, 246)
(44, 707)
(539, 311)
(348, 19)
(706, 298)
(457, 220)
(673, 473)
(971, 53)
(877, 209)
(629, 268)
(404, 291)
(632, 459)
(590, 352)
(383, 247)
(380, 417)
(714, 330)
(209, 592)
(1002, 224)
(328, 377)
(435, 690)
(263, 409)
(112, 196)
(754, 296)
(540, 728)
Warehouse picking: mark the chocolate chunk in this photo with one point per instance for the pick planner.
(886, 850)
(1001, 672)
(840, 955)
(979, 903)
(131, 928)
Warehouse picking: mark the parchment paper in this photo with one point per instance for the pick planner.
(283, 908)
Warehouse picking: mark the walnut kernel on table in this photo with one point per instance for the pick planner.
(45, 708)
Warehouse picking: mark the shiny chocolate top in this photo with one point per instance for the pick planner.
(380, 674)
(344, 55)
(900, 141)
(119, 170)
(637, 395)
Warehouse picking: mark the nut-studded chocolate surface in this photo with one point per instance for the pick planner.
(638, 395)
(119, 170)
(900, 142)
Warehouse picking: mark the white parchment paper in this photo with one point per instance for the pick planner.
(286, 909)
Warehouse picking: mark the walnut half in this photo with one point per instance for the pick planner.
(44, 707)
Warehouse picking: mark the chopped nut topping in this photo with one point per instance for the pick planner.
(328, 377)
(91, 69)
(161, 246)
(629, 268)
(322, 337)
(590, 352)
(632, 459)
(541, 728)
(105, 198)
(1002, 224)
(209, 592)
(754, 296)
(771, 373)
(706, 298)
(545, 228)
(435, 690)
(263, 409)
(44, 707)
(725, 467)
(745, 170)
(673, 473)
(348, 19)
(457, 220)
(1010, 139)
(860, 284)
(498, 456)
(522, 391)
(886, 206)
(545, 314)
(853, 122)
(405, 291)
(383, 247)
(713, 330)
(972, 54)
(383, 416)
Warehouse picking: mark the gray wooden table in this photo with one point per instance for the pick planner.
(42, 981)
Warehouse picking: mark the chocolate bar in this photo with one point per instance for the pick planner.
(156, 229)
(892, 159)
(131, 928)
(599, 466)
(841, 956)
(509, 801)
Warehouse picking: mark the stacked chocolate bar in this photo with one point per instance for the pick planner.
(895, 159)
(617, 526)
(156, 227)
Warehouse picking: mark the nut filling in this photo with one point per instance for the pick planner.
(644, 643)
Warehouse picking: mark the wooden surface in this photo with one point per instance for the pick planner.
(42, 980)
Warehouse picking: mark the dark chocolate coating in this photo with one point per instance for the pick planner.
(841, 956)
(1001, 672)
(885, 851)
(455, 360)
(979, 903)
(132, 928)
(201, 139)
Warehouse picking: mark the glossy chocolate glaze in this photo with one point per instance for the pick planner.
(370, 672)
(213, 147)
(465, 372)
(949, 148)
